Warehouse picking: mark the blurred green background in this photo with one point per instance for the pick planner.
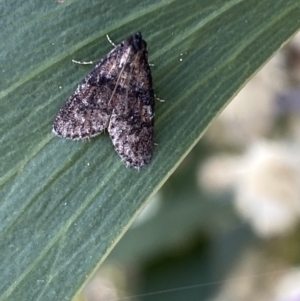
(225, 226)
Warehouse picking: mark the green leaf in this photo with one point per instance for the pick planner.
(64, 204)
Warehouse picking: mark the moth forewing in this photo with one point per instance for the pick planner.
(117, 95)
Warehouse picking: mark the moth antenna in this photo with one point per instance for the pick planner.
(93, 62)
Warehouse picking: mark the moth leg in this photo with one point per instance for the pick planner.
(161, 100)
(83, 63)
(110, 41)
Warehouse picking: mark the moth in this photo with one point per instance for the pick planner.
(116, 96)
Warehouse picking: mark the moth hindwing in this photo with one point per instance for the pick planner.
(118, 96)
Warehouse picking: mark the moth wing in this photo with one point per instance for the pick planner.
(131, 125)
(87, 112)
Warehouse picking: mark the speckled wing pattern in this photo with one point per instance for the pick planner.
(117, 95)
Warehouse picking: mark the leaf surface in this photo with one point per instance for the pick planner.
(65, 204)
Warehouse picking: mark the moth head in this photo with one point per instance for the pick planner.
(136, 42)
